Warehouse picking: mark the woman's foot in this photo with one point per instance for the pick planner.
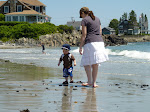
(95, 86)
(86, 84)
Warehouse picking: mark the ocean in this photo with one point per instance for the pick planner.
(131, 59)
(122, 79)
(125, 60)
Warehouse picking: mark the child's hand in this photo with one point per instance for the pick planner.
(75, 64)
(58, 64)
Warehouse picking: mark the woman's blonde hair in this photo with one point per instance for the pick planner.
(86, 11)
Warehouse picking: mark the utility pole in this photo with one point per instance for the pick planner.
(141, 24)
(72, 19)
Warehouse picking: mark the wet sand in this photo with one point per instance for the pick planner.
(39, 89)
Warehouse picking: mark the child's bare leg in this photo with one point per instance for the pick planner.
(71, 78)
(66, 78)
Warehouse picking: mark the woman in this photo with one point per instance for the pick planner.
(94, 51)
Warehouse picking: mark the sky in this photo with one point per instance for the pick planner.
(61, 11)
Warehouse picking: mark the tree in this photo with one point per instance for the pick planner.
(2, 17)
(132, 18)
(114, 24)
(120, 20)
(125, 16)
(146, 23)
(143, 23)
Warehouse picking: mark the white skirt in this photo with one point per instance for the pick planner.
(94, 53)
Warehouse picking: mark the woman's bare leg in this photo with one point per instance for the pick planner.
(94, 74)
(88, 73)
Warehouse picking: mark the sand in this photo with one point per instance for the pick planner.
(39, 89)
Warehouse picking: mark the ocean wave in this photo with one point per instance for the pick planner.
(23, 52)
(131, 54)
(75, 50)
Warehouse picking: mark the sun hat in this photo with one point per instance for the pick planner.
(66, 46)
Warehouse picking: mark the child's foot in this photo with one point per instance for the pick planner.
(71, 81)
(86, 84)
(65, 82)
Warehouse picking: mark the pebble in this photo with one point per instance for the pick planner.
(116, 84)
(25, 110)
(79, 82)
(65, 94)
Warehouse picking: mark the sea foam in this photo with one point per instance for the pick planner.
(131, 54)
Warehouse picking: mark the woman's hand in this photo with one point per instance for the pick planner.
(80, 51)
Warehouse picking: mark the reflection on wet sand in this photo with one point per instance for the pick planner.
(90, 101)
(67, 99)
(85, 101)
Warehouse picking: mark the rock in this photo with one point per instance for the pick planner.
(7, 61)
(79, 82)
(58, 39)
(25, 110)
(117, 84)
(113, 40)
(65, 94)
(1, 43)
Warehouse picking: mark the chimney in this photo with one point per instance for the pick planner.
(13, 6)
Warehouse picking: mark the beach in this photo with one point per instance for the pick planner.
(31, 80)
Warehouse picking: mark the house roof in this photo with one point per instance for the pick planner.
(74, 23)
(109, 28)
(33, 2)
(2, 2)
(24, 12)
(27, 12)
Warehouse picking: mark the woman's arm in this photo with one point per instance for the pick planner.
(100, 30)
(84, 33)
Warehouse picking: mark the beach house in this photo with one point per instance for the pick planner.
(126, 28)
(76, 25)
(108, 31)
(32, 11)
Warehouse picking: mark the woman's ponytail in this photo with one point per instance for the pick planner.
(91, 15)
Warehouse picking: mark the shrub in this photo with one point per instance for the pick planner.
(65, 28)
(2, 17)
(16, 30)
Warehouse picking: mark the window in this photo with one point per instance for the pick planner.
(6, 9)
(21, 18)
(121, 26)
(37, 9)
(8, 18)
(19, 8)
(15, 18)
(44, 9)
